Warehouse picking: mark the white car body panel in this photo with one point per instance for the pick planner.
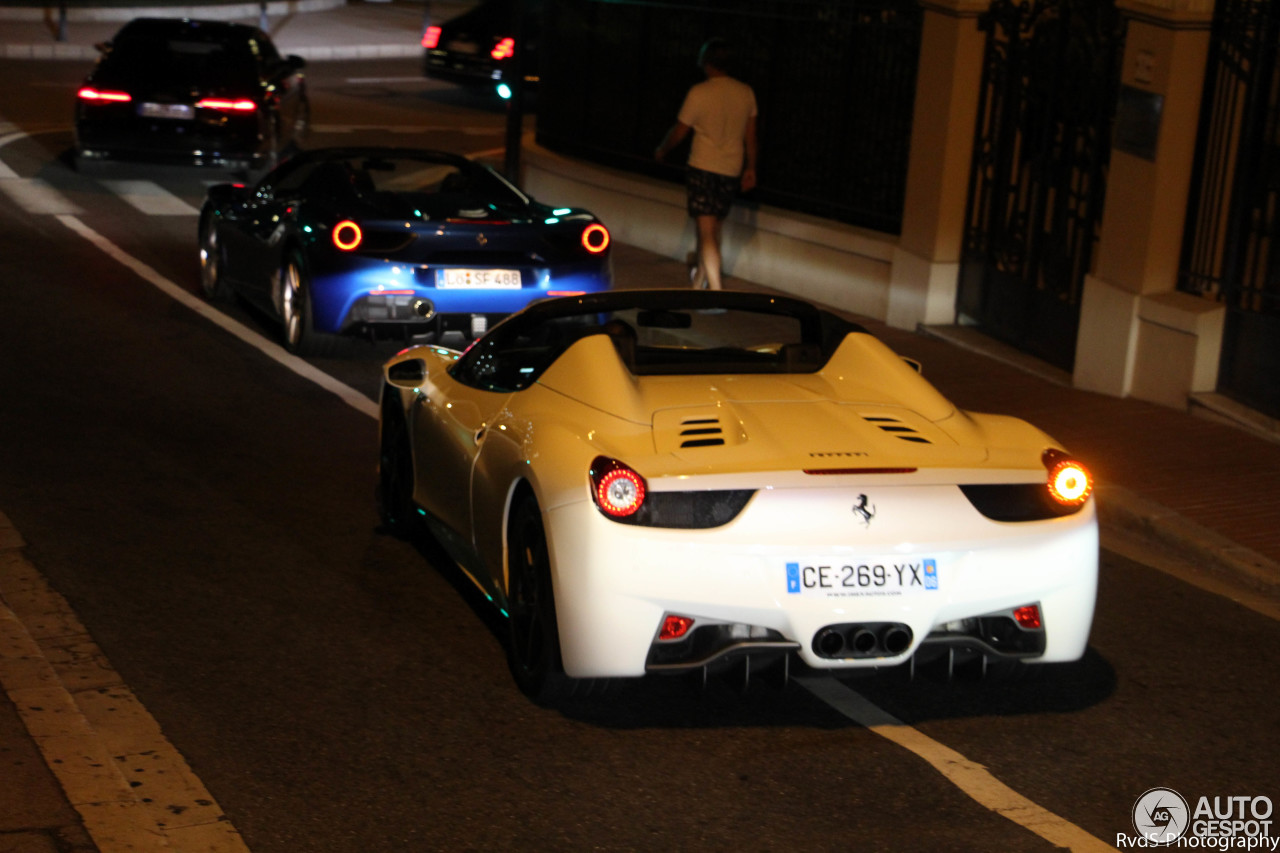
(866, 409)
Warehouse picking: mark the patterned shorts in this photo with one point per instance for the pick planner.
(710, 193)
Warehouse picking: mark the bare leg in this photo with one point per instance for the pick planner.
(709, 250)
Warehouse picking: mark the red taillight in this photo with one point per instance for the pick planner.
(430, 37)
(617, 490)
(1069, 482)
(88, 93)
(1028, 617)
(504, 49)
(675, 627)
(347, 235)
(595, 238)
(236, 105)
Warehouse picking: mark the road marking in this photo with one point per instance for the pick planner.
(348, 395)
(34, 195)
(406, 128)
(132, 788)
(969, 776)
(151, 198)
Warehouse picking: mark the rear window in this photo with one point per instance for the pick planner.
(201, 63)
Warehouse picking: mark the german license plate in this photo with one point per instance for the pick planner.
(885, 578)
(496, 279)
(173, 111)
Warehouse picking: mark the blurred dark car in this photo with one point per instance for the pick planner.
(392, 242)
(203, 92)
(479, 46)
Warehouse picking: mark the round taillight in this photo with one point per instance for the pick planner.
(347, 235)
(1069, 483)
(617, 490)
(595, 238)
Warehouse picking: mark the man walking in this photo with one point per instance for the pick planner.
(721, 113)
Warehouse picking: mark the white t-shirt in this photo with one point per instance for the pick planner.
(718, 110)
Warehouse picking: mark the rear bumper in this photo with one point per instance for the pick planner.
(130, 137)
(373, 293)
(615, 583)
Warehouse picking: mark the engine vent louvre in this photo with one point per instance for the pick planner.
(897, 429)
(701, 432)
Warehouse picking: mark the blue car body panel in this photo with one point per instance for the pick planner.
(378, 232)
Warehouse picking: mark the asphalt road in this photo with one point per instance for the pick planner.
(209, 515)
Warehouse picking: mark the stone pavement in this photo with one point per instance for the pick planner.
(1204, 490)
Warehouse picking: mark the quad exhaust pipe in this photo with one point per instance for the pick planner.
(864, 640)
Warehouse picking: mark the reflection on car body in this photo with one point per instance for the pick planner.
(204, 92)
(665, 481)
(392, 241)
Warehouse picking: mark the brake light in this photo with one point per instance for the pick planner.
(616, 489)
(675, 627)
(237, 105)
(504, 49)
(431, 37)
(1028, 617)
(347, 235)
(1070, 483)
(88, 93)
(595, 238)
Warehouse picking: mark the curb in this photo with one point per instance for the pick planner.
(1119, 508)
(80, 14)
(131, 788)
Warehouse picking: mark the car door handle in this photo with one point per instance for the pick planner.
(479, 435)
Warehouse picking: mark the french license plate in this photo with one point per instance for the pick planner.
(884, 578)
(496, 279)
(173, 111)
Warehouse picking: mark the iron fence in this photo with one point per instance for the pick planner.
(1231, 246)
(834, 79)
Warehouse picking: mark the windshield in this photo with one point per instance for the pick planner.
(660, 333)
(418, 187)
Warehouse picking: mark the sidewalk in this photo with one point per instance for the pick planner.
(316, 30)
(1207, 491)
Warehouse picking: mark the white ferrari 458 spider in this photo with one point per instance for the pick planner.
(668, 480)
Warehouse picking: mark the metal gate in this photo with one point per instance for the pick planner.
(1050, 76)
(1231, 246)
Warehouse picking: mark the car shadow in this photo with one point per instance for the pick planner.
(772, 694)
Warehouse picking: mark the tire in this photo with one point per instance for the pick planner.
(301, 124)
(395, 473)
(533, 647)
(212, 282)
(296, 315)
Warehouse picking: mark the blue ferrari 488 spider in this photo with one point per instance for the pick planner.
(392, 242)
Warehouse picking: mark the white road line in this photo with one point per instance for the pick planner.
(969, 776)
(35, 196)
(407, 128)
(132, 788)
(349, 395)
(151, 198)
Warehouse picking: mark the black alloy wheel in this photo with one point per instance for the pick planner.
(212, 283)
(533, 648)
(395, 471)
(294, 299)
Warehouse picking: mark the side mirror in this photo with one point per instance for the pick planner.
(297, 63)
